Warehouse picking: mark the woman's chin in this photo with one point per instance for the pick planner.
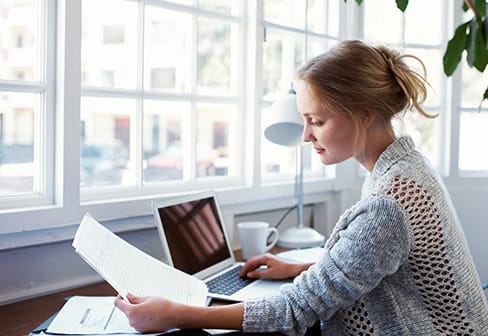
(327, 160)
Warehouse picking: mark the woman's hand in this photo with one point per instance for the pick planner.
(148, 314)
(156, 314)
(275, 269)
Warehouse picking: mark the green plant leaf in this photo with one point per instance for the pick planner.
(454, 50)
(480, 6)
(402, 4)
(481, 60)
(359, 2)
(484, 26)
(477, 55)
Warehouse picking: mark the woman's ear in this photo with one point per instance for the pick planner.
(369, 118)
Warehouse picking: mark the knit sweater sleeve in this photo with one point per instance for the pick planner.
(373, 245)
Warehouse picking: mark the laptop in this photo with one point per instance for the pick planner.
(195, 241)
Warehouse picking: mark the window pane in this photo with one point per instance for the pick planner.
(109, 43)
(214, 57)
(167, 31)
(474, 84)
(424, 132)
(164, 155)
(19, 40)
(473, 126)
(432, 59)
(18, 156)
(283, 53)
(400, 30)
(316, 46)
(276, 160)
(105, 142)
(421, 26)
(216, 148)
(323, 16)
(379, 14)
(285, 12)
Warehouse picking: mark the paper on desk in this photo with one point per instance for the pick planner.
(129, 270)
(83, 315)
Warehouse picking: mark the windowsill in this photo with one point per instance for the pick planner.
(232, 202)
(24, 239)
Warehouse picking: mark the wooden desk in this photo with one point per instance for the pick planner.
(18, 319)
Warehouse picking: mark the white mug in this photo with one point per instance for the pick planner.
(254, 237)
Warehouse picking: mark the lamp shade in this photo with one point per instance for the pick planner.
(286, 125)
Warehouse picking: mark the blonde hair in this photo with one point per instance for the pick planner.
(355, 79)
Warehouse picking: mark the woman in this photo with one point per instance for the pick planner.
(396, 262)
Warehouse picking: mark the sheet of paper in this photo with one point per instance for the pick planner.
(129, 270)
(91, 315)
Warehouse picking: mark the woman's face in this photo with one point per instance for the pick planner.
(332, 136)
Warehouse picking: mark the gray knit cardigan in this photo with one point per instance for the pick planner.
(396, 263)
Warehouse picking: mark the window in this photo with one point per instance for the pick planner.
(473, 122)
(25, 100)
(172, 97)
(169, 109)
(164, 101)
(416, 32)
(419, 33)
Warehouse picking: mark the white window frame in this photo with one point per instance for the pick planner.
(45, 87)
(57, 219)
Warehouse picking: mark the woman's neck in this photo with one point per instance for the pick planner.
(377, 139)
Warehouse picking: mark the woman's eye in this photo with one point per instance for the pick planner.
(315, 123)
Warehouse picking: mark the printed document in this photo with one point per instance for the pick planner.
(91, 315)
(129, 270)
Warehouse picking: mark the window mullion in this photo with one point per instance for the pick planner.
(136, 143)
(190, 125)
(68, 105)
(50, 104)
(455, 108)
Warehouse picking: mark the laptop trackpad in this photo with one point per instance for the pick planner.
(260, 288)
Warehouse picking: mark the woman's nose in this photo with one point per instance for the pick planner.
(306, 135)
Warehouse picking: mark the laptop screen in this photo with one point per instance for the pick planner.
(194, 234)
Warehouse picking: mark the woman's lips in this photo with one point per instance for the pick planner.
(319, 150)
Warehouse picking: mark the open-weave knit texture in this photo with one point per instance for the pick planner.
(396, 263)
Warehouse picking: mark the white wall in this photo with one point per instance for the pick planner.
(472, 209)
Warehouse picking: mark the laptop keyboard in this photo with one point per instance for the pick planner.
(228, 283)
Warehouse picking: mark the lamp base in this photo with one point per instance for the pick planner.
(299, 237)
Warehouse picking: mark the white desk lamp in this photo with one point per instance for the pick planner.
(286, 130)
